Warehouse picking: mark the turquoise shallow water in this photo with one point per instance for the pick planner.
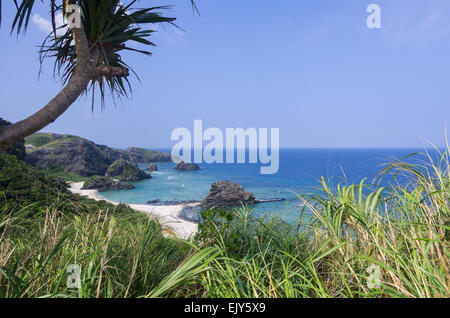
(300, 171)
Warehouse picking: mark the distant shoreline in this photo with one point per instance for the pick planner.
(169, 216)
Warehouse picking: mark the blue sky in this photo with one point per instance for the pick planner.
(310, 68)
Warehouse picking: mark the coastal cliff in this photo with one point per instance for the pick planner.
(73, 154)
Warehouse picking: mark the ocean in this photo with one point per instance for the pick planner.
(299, 174)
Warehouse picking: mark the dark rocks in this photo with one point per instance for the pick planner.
(105, 184)
(183, 166)
(227, 194)
(126, 171)
(153, 201)
(152, 167)
(62, 181)
(18, 149)
(191, 213)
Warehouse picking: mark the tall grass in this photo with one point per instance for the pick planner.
(117, 255)
(363, 241)
(358, 240)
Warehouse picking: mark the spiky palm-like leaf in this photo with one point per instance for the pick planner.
(86, 56)
(25, 8)
(111, 27)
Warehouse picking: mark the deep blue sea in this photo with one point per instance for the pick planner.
(299, 173)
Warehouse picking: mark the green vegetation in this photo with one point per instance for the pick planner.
(105, 183)
(356, 232)
(92, 181)
(25, 187)
(21, 184)
(358, 241)
(58, 172)
(119, 255)
(44, 228)
(47, 139)
(38, 140)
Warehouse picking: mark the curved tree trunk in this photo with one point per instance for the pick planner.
(77, 84)
(86, 70)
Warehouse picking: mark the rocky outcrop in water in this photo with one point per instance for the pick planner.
(227, 194)
(18, 149)
(183, 166)
(105, 184)
(126, 171)
(152, 167)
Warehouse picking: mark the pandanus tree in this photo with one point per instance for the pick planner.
(88, 56)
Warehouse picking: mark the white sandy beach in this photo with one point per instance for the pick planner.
(167, 215)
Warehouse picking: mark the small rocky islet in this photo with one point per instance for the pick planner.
(227, 194)
(152, 167)
(184, 166)
(126, 171)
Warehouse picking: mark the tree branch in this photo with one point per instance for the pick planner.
(110, 71)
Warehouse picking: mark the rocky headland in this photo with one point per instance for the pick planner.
(80, 156)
